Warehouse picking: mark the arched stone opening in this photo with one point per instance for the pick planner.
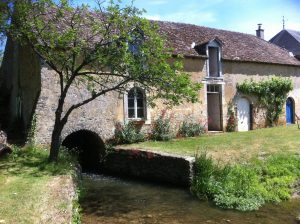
(90, 149)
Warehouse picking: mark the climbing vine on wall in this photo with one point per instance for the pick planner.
(271, 94)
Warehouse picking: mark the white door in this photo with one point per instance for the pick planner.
(243, 114)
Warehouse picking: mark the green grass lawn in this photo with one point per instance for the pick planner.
(234, 146)
(33, 191)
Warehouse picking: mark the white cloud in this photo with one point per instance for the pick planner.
(158, 2)
(153, 17)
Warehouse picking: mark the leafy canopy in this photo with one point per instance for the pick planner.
(93, 46)
(271, 94)
(104, 49)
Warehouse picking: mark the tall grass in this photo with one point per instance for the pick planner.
(246, 186)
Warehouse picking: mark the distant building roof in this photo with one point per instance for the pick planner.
(295, 34)
(235, 46)
(288, 39)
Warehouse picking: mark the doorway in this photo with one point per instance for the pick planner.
(243, 114)
(214, 107)
(289, 111)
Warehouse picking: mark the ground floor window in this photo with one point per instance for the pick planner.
(136, 103)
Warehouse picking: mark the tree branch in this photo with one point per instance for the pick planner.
(94, 96)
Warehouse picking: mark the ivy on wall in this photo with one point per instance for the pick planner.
(271, 94)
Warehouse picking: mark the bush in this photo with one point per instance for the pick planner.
(161, 129)
(127, 134)
(246, 186)
(205, 170)
(191, 129)
(232, 120)
(271, 94)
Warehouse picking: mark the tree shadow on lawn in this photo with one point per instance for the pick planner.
(33, 163)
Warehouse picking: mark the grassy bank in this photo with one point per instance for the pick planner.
(33, 191)
(232, 147)
(240, 170)
(246, 186)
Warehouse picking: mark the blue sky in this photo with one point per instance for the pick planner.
(236, 15)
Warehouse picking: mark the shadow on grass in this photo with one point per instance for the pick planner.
(34, 162)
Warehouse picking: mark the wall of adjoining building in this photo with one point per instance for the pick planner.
(20, 86)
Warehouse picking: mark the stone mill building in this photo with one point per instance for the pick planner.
(217, 58)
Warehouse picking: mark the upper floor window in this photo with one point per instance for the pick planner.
(136, 103)
(137, 39)
(212, 49)
(214, 62)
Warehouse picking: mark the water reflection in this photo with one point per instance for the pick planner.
(110, 200)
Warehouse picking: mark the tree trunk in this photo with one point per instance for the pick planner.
(55, 142)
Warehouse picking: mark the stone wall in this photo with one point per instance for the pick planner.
(101, 115)
(237, 72)
(98, 116)
(152, 166)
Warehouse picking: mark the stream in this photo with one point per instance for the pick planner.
(109, 200)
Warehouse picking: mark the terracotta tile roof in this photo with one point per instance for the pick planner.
(235, 46)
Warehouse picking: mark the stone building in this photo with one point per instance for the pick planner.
(217, 58)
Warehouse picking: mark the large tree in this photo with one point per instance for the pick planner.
(105, 49)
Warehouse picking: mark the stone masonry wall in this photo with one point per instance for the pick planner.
(30, 87)
(147, 165)
(101, 115)
(98, 116)
(237, 72)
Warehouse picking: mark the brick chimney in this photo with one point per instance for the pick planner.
(260, 31)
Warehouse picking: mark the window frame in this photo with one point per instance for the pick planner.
(214, 44)
(135, 104)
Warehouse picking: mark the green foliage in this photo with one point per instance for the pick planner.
(231, 121)
(28, 183)
(76, 209)
(80, 44)
(271, 94)
(127, 134)
(34, 156)
(5, 14)
(206, 169)
(190, 129)
(1, 56)
(161, 129)
(32, 130)
(246, 186)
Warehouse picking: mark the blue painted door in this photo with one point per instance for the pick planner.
(289, 111)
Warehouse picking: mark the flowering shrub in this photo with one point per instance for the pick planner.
(161, 129)
(189, 129)
(127, 134)
(232, 121)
